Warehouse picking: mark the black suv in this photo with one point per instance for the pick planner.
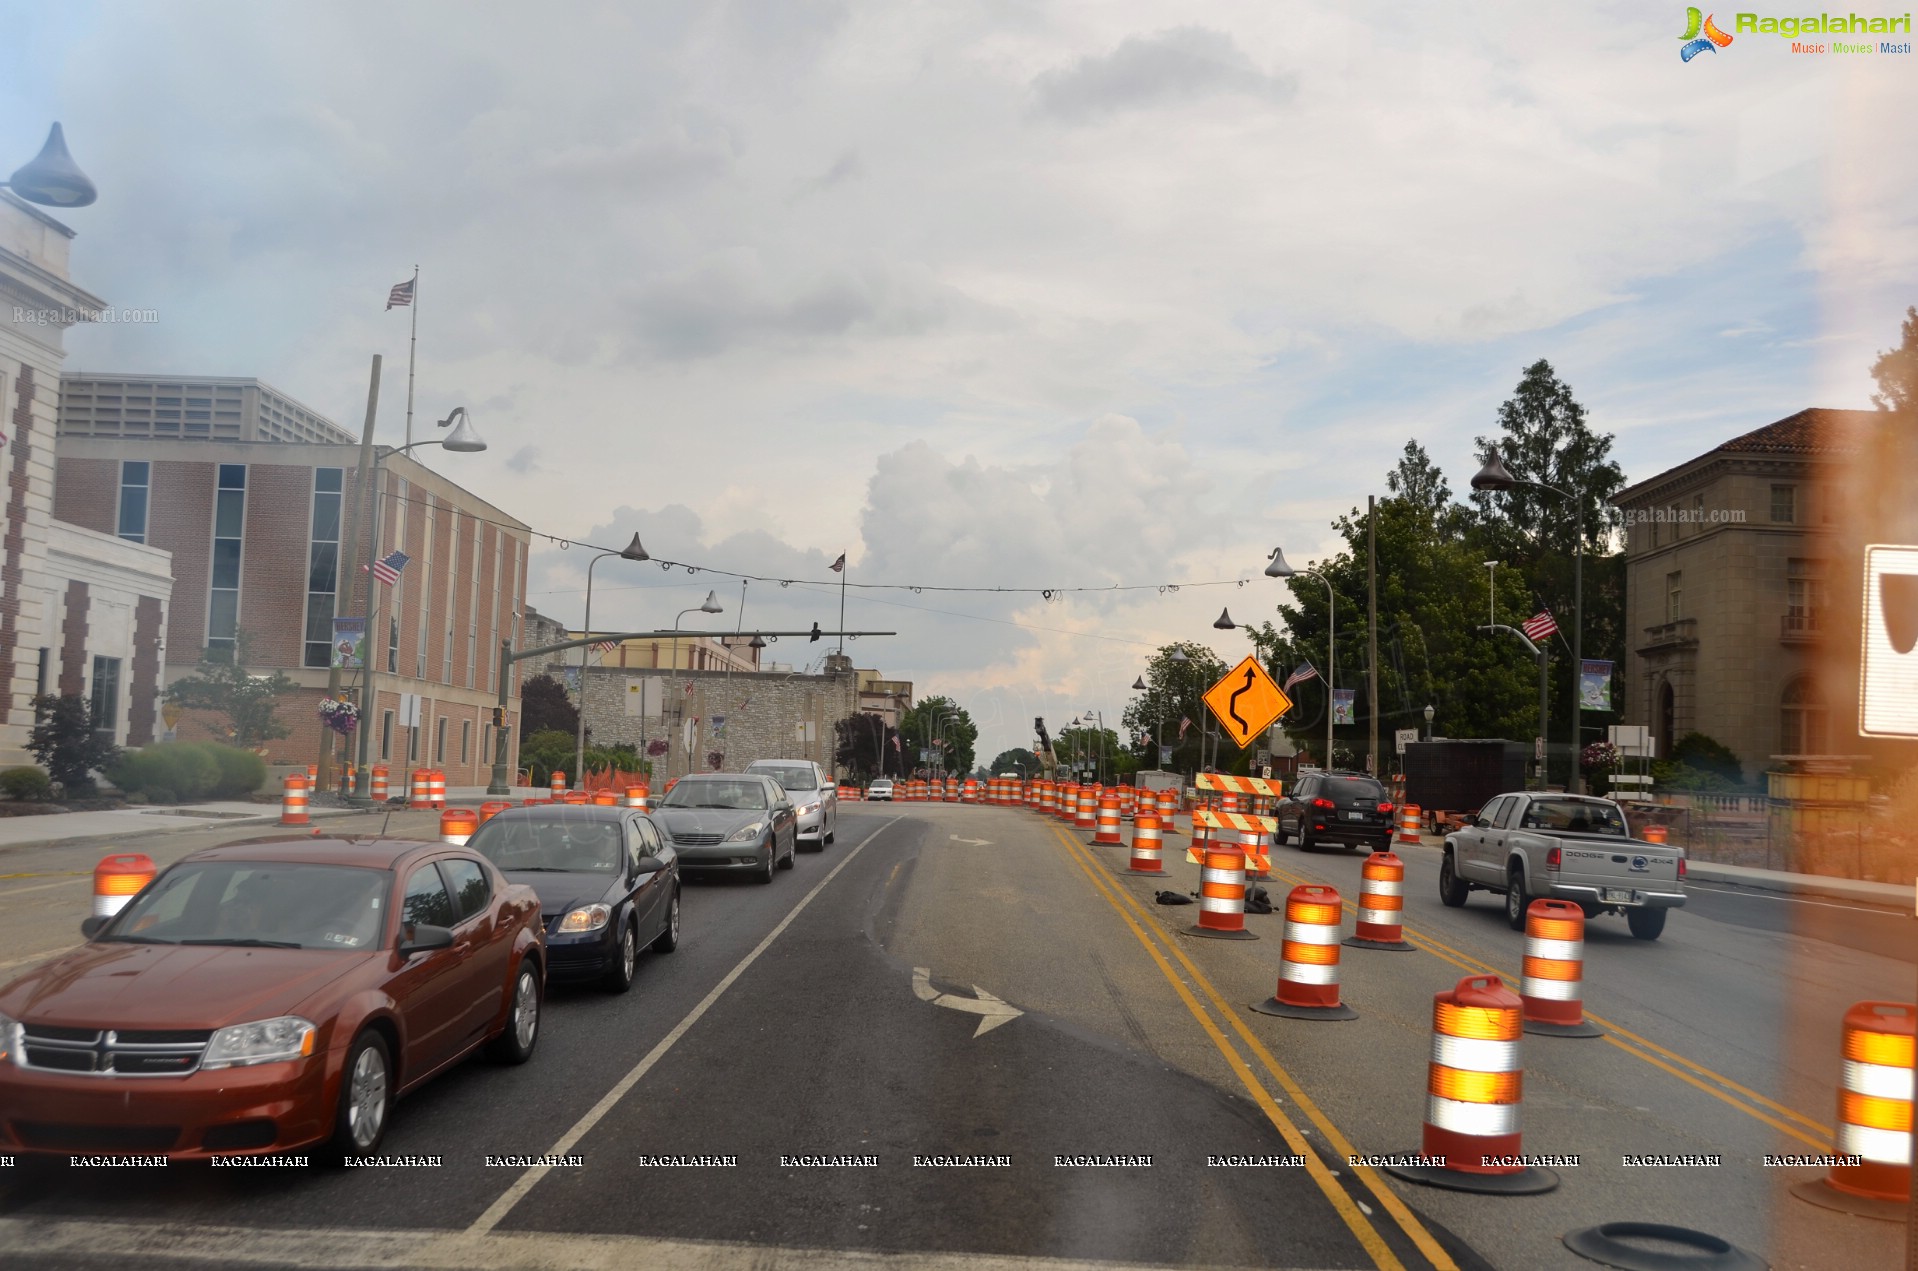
(1348, 808)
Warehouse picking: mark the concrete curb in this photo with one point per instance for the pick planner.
(1884, 895)
(210, 823)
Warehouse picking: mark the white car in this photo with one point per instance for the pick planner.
(880, 790)
(813, 794)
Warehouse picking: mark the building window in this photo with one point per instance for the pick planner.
(229, 527)
(472, 654)
(1698, 514)
(323, 565)
(1804, 596)
(439, 741)
(1784, 504)
(134, 476)
(466, 740)
(392, 645)
(1674, 596)
(106, 698)
(413, 744)
(386, 735)
(446, 662)
(1667, 719)
(1804, 723)
(45, 665)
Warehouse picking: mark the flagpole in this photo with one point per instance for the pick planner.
(412, 347)
(843, 571)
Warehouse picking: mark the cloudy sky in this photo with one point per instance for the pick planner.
(986, 295)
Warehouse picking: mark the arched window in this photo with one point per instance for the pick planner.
(1667, 719)
(1803, 721)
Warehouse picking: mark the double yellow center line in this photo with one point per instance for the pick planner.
(1191, 984)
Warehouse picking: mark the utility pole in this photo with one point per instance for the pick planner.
(343, 579)
(1372, 629)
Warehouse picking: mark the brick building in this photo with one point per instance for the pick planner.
(81, 614)
(255, 532)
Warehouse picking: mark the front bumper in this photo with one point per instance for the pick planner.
(253, 1111)
(1642, 897)
(583, 955)
(725, 858)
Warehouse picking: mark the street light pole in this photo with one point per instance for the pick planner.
(632, 551)
(1279, 569)
(709, 605)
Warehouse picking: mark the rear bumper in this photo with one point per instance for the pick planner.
(1355, 835)
(1647, 898)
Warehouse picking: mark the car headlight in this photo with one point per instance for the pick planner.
(586, 918)
(9, 1039)
(264, 1041)
(810, 807)
(746, 833)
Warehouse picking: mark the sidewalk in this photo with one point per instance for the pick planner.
(121, 823)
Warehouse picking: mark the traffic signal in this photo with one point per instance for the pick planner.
(814, 637)
(499, 717)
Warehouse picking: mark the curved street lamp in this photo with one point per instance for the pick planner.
(709, 605)
(632, 551)
(1279, 569)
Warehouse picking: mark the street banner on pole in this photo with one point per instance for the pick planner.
(349, 643)
(1595, 686)
(1343, 702)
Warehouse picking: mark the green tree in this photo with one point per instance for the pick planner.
(67, 744)
(866, 746)
(957, 735)
(543, 704)
(1897, 371)
(1018, 759)
(1175, 692)
(223, 686)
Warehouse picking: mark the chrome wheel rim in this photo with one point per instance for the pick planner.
(672, 919)
(525, 1010)
(628, 952)
(366, 1098)
(1514, 899)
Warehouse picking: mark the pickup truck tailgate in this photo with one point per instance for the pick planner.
(1611, 863)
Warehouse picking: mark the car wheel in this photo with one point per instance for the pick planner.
(1452, 889)
(619, 976)
(1305, 840)
(1646, 924)
(366, 1097)
(1278, 834)
(515, 1045)
(792, 853)
(833, 833)
(772, 859)
(669, 936)
(1515, 898)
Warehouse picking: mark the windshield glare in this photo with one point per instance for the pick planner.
(745, 796)
(247, 902)
(791, 778)
(1574, 816)
(568, 844)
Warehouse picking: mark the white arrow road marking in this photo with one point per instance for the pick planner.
(974, 842)
(994, 1011)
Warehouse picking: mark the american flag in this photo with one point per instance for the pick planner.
(838, 566)
(401, 295)
(1540, 625)
(388, 570)
(1306, 671)
(606, 646)
(1183, 725)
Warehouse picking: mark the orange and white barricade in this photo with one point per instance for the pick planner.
(1222, 896)
(457, 825)
(559, 783)
(1168, 808)
(1381, 923)
(1309, 963)
(1066, 806)
(969, 793)
(1147, 846)
(1874, 1115)
(1410, 821)
(416, 788)
(293, 800)
(1475, 1084)
(1553, 985)
(118, 879)
(1248, 833)
(435, 788)
(1048, 798)
(380, 776)
(1128, 803)
(1106, 824)
(1086, 815)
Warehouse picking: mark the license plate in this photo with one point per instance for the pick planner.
(1355, 816)
(1619, 895)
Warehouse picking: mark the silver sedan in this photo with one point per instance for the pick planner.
(730, 822)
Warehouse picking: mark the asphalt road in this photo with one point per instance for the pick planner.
(795, 1022)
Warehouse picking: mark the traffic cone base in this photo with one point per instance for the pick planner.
(1822, 1194)
(1215, 934)
(1530, 1181)
(1393, 946)
(1585, 1029)
(1273, 1006)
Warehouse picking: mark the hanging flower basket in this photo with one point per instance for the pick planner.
(340, 715)
(657, 747)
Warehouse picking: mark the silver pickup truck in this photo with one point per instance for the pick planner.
(1564, 847)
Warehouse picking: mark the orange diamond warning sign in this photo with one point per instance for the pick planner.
(1246, 702)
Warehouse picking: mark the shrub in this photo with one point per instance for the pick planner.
(160, 794)
(64, 741)
(26, 783)
(1696, 750)
(241, 771)
(183, 770)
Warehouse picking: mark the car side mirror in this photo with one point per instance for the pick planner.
(90, 927)
(424, 939)
(648, 865)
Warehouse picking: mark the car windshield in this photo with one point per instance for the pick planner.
(791, 778)
(550, 844)
(292, 906)
(1574, 816)
(746, 796)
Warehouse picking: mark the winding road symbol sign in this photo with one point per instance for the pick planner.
(1246, 702)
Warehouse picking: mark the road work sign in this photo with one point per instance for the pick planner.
(1246, 702)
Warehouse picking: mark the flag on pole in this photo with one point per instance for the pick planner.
(388, 569)
(401, 295)
(895, 741)
(606, 646)
(839, 566)
(1184, 723)
(1306, 671)
(1540, 625)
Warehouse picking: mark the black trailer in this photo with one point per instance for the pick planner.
(1461, 776)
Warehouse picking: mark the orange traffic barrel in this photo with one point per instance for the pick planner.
(1147, 844)
(293, 800)
(1553, 988)
(118, 879)
(1048, 799)
(1222, 896)
(380, 776)
(605, 799)
(490, 810)
(1874, 1115)
(575, 797)
(1474, 1086)
(1411, 818)
(1128, 802)
(640, 796)
(1086, 812)
(969, 793)
(1309, 963)
(1106, 829)
(1168, 808)
(416, 788)
(559, 783)
(435, 788)
(1381, 923)
(457, 825)
(312, 775)
(1653, 834)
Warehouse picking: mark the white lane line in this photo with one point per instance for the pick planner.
(1792, 900)
(527, 1181)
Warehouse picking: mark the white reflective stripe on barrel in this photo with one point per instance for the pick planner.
(1881, 1147)
(1308, 973)
(1479, 1119)
(1383, 917)
(1555, 950)
(1383, 887)
(1312, 932)
(1211, 875)
(1880, 1081)
(1553, 990)
(1475, 1054)
(1222, 904)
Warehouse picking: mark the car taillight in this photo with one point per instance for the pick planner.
(1324, 803)
(1681, 869)
(1385, 807)
(1551, 859)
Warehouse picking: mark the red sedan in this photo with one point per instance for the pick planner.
(270, 995)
